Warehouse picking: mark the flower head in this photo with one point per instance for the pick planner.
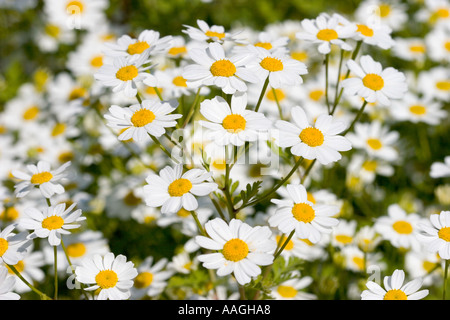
(242, 248)
(436, 234)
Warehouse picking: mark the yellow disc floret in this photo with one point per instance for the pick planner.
(179, 187)
(142, 117)
(395, 294)
(444, 234)
(223, 68)
(3, 246)
(42, 177)
(143, 280)
(127, 73)
(303, 212)
(138, 47)
(235, 250)
(76, 250)
(52, 222)
(364, 30)
(313, 137)
(234, 123)
(373, 81)
(286, 291)
(327, 35)
(106, 279)
(374, 143)
(271, 64)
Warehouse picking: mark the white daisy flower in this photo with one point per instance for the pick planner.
(297, 213)
(326, 30)
(13, 246)
(399, 228)
(123, 74)
(52, 223)
(367, 168)
(440, 169)
(410, 49)
(394, 289)
(418, 109)
(30, 268)
(374, 33)
(139, 120)
(242, 249)
(344, 233)
(438, 44)
(7, 284)
(42, 176)
(266, 40)
(374, 83)
(367, 239)
(147, 41)
(151, 278)
(435, 83)
(206, 33)
(319, 141)
(436, 234)
(212, 67)
(292, 289)
(278, 67)
(172, 190)
(391, 13)
(113, 276)
(232, 124)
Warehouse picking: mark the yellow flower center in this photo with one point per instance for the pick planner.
(313, 137)
(3, 246)
(364, 30)
(272, 64)
(428, 266)
(106, 279)
(97, 61)
(183, 213)
(152, 91)
(142, 117)
(343, 238)
(417, 48)
(179, 81)
(223, 68)
(265, 45)
(213, 34)
(327, 35)
(444, 234)
(52, 30)
(370, 165)
(418, 109)
(403, 227)
(42, 177)
(31, 113)
(234, 123)
(76, 250)
(77, 93)
(65, 156)
(138, 47)
(174, 51)
(58, 129)
(219, 164)
(310, 197)
(384, 10)
(127, 73)
(395, 294)
(278, 94)
(286, 291)
(52, 223)
(179, 187)
(374, 143)
(143, 280)
(373, 81)
(131, 200)
(235, 250)
(9, 214)
(447, 45)
(316, 94)
(299, 55)
(303, 212)
(359, 262)
(442, 13)
(290, 244)
(78, 4)
(443, 85)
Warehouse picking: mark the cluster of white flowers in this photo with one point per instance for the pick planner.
(202, 128)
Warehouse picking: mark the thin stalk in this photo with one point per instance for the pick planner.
(193, 108)
(280, 110)
(327, 101)
(338, 80)
(55, 259)
(277, 254)
(42, 295)
(358, 115)
(161, 147)
(445, 279)
(199, 225)
(261, 96)
(158, 93)
(218, 208)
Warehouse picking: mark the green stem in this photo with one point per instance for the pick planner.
(199, 225)
(161, 147)
(338, 80)
(48, 202)
(42, 295)
(358, 115)
(280, 110)
(193, 108)
(158, 93)
(276, 187)
(445, 279)
(277, 254)
(218, 208)
(261, 96)
(327, 101)
(55, 259)
(138, 97)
